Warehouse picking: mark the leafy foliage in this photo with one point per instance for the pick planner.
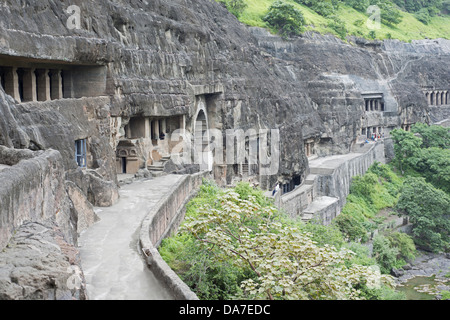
(385, 254)
(427, 154)
(393, 249)
(360, 5)
(432, 136)
(404, 243)
(286, 262)
(423, 15)
(351, 227)
(338, 25)
(428, 209)
(378, 189)
(236, 7)
(418, 5)
(285, 18)
(405, 148)
(390, 15)
(325, 8)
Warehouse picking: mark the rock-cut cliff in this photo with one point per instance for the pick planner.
(101, 81)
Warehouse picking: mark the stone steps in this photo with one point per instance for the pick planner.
(157, 168)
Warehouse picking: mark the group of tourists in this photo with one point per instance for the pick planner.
(376, 136)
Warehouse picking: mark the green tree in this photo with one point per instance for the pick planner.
(434, 166)
(384, 253)
(390, 15)
(236, 7)
(404, 243)
(446, 6)
(427, 208)
(339, 26)
(423, 15)
(285, 18)
(360, 5)
(432, 136)
(427, 154)
(285, 262)
(351, 227)
(406, 149)
(325, 8)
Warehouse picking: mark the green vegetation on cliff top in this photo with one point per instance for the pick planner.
(437, 24)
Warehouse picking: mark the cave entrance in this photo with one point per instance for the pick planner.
(124, 165)
(201, 141)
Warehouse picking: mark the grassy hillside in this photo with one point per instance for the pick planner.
(355, 22)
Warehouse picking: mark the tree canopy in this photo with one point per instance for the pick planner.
(428, 210)
(286, 263)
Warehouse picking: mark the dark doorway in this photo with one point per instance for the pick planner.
(124, 165)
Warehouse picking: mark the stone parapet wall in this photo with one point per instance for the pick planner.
(160, 222)
(330, 177)
(32, 189)
(337, 183)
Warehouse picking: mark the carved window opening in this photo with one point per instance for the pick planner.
(437, 97)
(374, 102)
(29, 80)
(81, 153)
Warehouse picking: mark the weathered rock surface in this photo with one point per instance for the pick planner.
(101, 193)
(82, 210)
(32, 189)
(155, 58)
(38, 264)
(159, 55)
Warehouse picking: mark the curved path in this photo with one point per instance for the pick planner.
(112, 263)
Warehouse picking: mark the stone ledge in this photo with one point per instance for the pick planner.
(164, 217)
(32, 189)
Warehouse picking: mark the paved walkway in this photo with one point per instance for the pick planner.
(113, 266)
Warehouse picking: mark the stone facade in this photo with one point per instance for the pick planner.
(133, 72)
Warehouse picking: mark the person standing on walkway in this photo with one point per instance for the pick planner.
(275, 190)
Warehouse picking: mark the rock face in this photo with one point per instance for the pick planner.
(81, 209)
(32, 189)
(38, 264)
(160, 58)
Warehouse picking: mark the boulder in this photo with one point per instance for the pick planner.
(397, 272)
(101, 193)
(82, 211)
(39, 264)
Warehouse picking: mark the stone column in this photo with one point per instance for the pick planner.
(428, 95)
(56, 85)
(155, 126)
(12, 83)
(43, 85)
(29, 85)
(164, 125)
(148, 128)
(307, 149)
(183, 122)
(128, 131)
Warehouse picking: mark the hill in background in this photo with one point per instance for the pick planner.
(405, 20)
